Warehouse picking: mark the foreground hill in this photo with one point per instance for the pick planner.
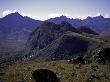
(65, 71)
(52, 41)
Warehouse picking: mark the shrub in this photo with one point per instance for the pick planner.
(44, 75)
(102, 55)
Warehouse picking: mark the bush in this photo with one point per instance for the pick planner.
(102, 55)
(44, 75)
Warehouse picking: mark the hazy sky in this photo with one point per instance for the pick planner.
(43, 9)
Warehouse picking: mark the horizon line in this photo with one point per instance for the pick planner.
(61, 15)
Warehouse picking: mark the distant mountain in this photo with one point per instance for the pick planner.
(98, 24)
(14, 31)
(73, 22)
(52, 41)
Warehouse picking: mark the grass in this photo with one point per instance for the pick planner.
(65, 71)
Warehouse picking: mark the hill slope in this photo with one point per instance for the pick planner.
(58, 41)
(65, 71)
(85, 29)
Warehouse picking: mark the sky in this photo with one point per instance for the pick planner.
(45, 9)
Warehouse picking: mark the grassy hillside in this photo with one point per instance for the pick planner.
(64, 70)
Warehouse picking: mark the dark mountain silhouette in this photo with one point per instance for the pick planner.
(14, 31)
(85, 29)
(98, 24)
(52, 41)
(58, 20)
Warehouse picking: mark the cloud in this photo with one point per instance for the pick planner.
(27, 14)
(65, 14)
(81, 17)
(107, 15)
(98, 14)
(31, 16)
(6, 12)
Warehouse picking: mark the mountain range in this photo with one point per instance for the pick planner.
(15, 29)
(99, 24)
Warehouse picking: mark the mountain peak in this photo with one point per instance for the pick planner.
(89, 17)
(98, 17)
(13, 14)
(63, 16)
